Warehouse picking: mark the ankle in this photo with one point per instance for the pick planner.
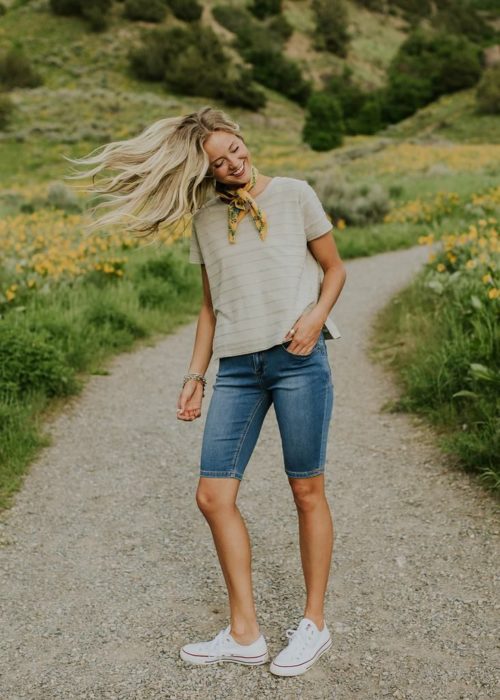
(317, 618)
(244, 632)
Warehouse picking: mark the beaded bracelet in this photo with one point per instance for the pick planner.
(198, 377)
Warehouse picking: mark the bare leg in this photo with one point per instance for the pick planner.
(216, 498)
(316, 537)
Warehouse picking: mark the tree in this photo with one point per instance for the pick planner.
(331, 26)
(324, 126)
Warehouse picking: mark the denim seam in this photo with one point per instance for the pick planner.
(298, 475)
(324, 426)
(209, 473)
(247, 428)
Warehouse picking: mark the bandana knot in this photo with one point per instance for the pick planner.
(240, 202)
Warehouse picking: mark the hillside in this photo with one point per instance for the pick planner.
(88, 95)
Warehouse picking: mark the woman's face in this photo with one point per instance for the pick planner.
(229, 158)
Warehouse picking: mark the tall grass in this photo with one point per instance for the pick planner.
(50, 346)
(443, 332)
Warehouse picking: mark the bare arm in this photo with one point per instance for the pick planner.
(191, 395)
(309, 326)
(325, 251)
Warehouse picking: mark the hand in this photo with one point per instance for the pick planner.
(307, 331)
(189, 402)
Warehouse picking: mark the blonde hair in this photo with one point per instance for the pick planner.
(162, 173)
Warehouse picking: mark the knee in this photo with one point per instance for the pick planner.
(211, 503)
(306, 495)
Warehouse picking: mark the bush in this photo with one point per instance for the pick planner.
(281, 27)
(488, 91)
(96, 12)
(241, 91)
(31, 364)
(463, 18)
(6, 111)
(167, 268)
(191, 61)
(323, 128)
(279, 73)
(146, 10)
(187, 10)
(358, 204)
(427, 66)
(3, 9)
(113, 327)
(235, 19)
(331, 26)
(362, 112)
(61, 197)
(16, 70)
(265, 8)
(157, 293)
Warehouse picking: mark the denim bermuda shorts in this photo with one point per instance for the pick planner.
(301, 389)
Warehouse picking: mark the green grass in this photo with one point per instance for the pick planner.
(89, 98)
(84, 325)
(435, 342)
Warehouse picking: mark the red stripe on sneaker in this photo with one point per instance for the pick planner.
(304, 662)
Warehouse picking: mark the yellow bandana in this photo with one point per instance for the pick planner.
(240, 201)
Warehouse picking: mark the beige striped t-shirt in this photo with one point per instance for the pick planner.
(260, 288)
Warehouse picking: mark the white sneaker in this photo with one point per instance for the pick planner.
(307, 643)
(224, 648)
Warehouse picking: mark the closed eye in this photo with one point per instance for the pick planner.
(217, 165)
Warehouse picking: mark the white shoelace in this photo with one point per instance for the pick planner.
(299, 638)
(219, 641)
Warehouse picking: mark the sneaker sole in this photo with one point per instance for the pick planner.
(206, 660)
(303, 667)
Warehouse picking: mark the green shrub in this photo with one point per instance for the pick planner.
(427, 66)
(96, 12)
(362, 111)
(66, 7)
(167, 268)
(6, 111)
(358, 204)
(145, 10)
(191, 61)
(413, 8)
(265, 8)
(331, 26)
(488, 91)
(3, 9)
(445, 335)
(16, 70)
(62, 197)
(323, 128)
(241, 91)
(275, 71)
(281, 27)
(156, 293)
(187, 10)
(31, 364)
(112, 327)
(235, 19)
(463, 18)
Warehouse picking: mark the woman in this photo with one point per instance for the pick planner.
(271, 274)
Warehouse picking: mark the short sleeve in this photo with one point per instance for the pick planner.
(316, 221)
(195, 255)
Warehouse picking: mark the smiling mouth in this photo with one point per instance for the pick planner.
(239, 172)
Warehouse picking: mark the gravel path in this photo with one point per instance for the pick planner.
(108, 567)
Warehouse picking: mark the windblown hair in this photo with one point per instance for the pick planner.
(162, 174)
